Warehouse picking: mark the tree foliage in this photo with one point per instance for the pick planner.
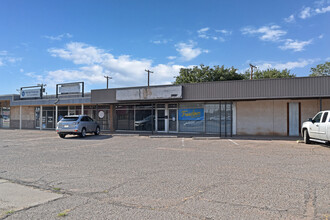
(206, 74)
(321, 70)
(269, 73)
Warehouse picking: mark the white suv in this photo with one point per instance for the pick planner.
(317, 128)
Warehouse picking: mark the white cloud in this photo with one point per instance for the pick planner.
(3, 52)
(21, 70)
(322, 10)
(266, 33)
(305, 13)
(188, 50)
(263, 65)
(321, 36)
(163, 41)
(208, 33)
(79, 53)
(94, 63)
(223, 31)
(290, 19)
(171, 57)
(295, 45)
(58, 37)
(202, 33)
(5, 58)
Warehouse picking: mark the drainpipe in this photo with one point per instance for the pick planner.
(82, 109)
(320, 104)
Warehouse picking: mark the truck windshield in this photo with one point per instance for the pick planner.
(70, 119)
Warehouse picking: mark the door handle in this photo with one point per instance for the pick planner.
(317, 125)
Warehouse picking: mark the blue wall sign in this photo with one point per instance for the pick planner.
(191, 114)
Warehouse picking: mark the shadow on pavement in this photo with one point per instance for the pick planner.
(89, 137)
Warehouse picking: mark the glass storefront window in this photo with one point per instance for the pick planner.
(144, 120)
(135, 118)
(191, 117)
(125, 119)
(4, 117)
(212, 118)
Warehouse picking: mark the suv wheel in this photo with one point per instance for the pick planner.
(62, 135)
(97, 132)
(306, 137)
(83, 133)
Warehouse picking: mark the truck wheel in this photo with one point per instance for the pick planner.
(97, 132)
(83, 133)
(62, 135)
(306, 137)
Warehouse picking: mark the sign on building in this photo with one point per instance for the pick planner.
(162, 92)
(191, 114)
(70, 88)
(30, 92)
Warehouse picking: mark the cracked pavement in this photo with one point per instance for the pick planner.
(125, 177)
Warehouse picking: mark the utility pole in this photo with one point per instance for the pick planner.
(148, 71)
(107, 77)
(251, 66)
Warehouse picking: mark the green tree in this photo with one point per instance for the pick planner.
(269, 73)
(321, 70)
(206, 74)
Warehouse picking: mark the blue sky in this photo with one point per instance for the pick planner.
(63, 41)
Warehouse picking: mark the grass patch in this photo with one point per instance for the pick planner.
(10, 212)
(56, 189)
(64, 213)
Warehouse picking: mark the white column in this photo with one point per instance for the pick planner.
(56, 115)
(40, 119)
(234, 118)
(82, 109)
(166, 117)
(20, 117)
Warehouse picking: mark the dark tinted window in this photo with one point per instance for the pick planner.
(317, 118)
(325, 115)
(84, 118)
(90, 119)
(70, 119)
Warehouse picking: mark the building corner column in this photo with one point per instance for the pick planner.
(111, 118)
(20, 117)
(40, 119)
(56, 116)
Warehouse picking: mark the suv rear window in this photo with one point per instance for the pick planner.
(70, 119)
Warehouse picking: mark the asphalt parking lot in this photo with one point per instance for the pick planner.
(132, 177)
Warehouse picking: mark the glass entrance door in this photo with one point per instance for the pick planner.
(172, 120)
(160, 119)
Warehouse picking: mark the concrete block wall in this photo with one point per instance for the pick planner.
(28, 117)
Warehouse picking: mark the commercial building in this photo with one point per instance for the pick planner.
(248, 107)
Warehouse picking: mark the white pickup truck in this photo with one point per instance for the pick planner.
(317, 128)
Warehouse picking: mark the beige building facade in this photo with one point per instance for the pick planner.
(272, 107)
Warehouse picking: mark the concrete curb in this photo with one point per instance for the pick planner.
(132, 135)
(162, 136)
(206, 138)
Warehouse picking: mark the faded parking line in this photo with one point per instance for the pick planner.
(233, 142)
